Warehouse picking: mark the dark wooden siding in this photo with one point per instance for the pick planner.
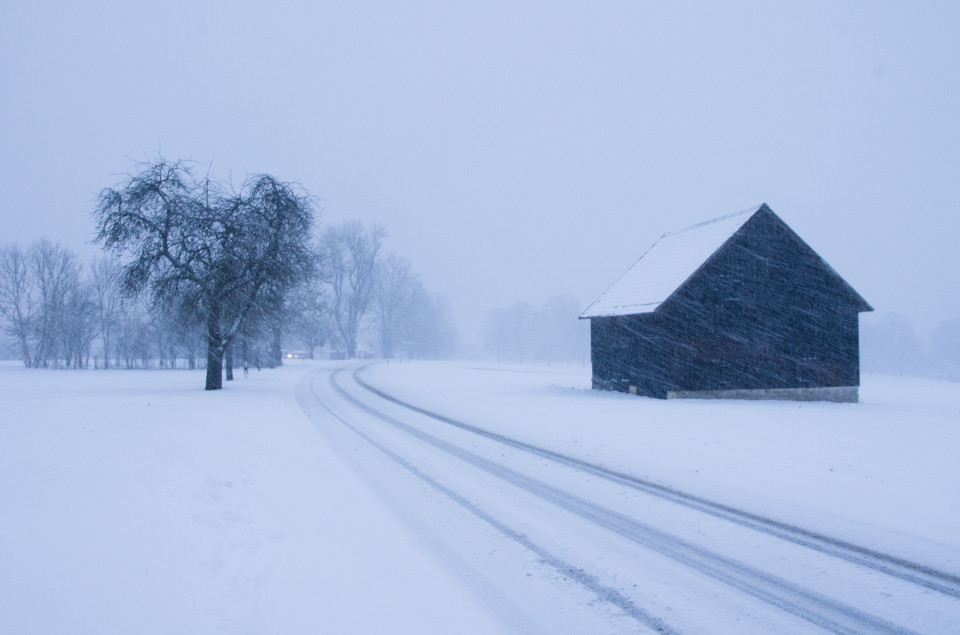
(764, 312)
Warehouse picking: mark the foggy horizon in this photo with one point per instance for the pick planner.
(514, 152)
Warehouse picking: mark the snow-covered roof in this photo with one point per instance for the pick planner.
(666, 266)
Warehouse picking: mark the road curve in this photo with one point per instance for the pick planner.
(916, 573)
(602, 592)
(391, 425)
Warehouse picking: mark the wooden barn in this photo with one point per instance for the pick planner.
(736, 307)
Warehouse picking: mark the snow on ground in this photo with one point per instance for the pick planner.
(882, 473)
(135, 502)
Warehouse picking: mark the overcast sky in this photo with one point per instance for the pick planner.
(513, 150)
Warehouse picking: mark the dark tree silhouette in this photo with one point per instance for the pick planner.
(214, 256)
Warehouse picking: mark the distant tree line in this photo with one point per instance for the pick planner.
(547, 333)
(201, 275)
(47, 305)
(369, 293)
(56, 312)
(890, 344)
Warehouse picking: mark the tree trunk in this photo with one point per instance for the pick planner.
(25, 348)
(350, 343)
(214, 353)
(275, 350)
(228, 358)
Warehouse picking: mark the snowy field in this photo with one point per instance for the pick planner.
(135, 502)
(884, 473)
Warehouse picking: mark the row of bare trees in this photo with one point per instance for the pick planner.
(46, 304)
(58, 312)
(196, 264)
(362, 293)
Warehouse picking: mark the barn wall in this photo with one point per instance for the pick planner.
(610, 353)
(764, 313)
(633, 351)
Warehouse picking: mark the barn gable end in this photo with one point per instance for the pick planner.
(759, 316)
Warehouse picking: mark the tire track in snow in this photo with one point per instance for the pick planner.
(816, 608)
(900, 568)
(603, 592)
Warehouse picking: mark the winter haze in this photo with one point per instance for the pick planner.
(513, 150)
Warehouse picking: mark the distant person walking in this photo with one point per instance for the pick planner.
(246, 368)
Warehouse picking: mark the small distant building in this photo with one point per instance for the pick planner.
(737, 307)
(328, 352)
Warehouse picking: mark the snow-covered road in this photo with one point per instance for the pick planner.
(469, 497)
(555, 543)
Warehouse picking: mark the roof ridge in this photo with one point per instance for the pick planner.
(749, 210)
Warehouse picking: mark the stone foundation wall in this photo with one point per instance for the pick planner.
(841, 394)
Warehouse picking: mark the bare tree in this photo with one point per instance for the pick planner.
(104, 273)
(131, 333)
(428, 327)
(310, 314)
(351, 253)
(37, 288)
(395, 293)
(56, 271)
(77, 324)
(211, 254)
(18, 306)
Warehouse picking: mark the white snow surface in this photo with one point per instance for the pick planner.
(663, 268)
(883, 472)
(135, 502)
